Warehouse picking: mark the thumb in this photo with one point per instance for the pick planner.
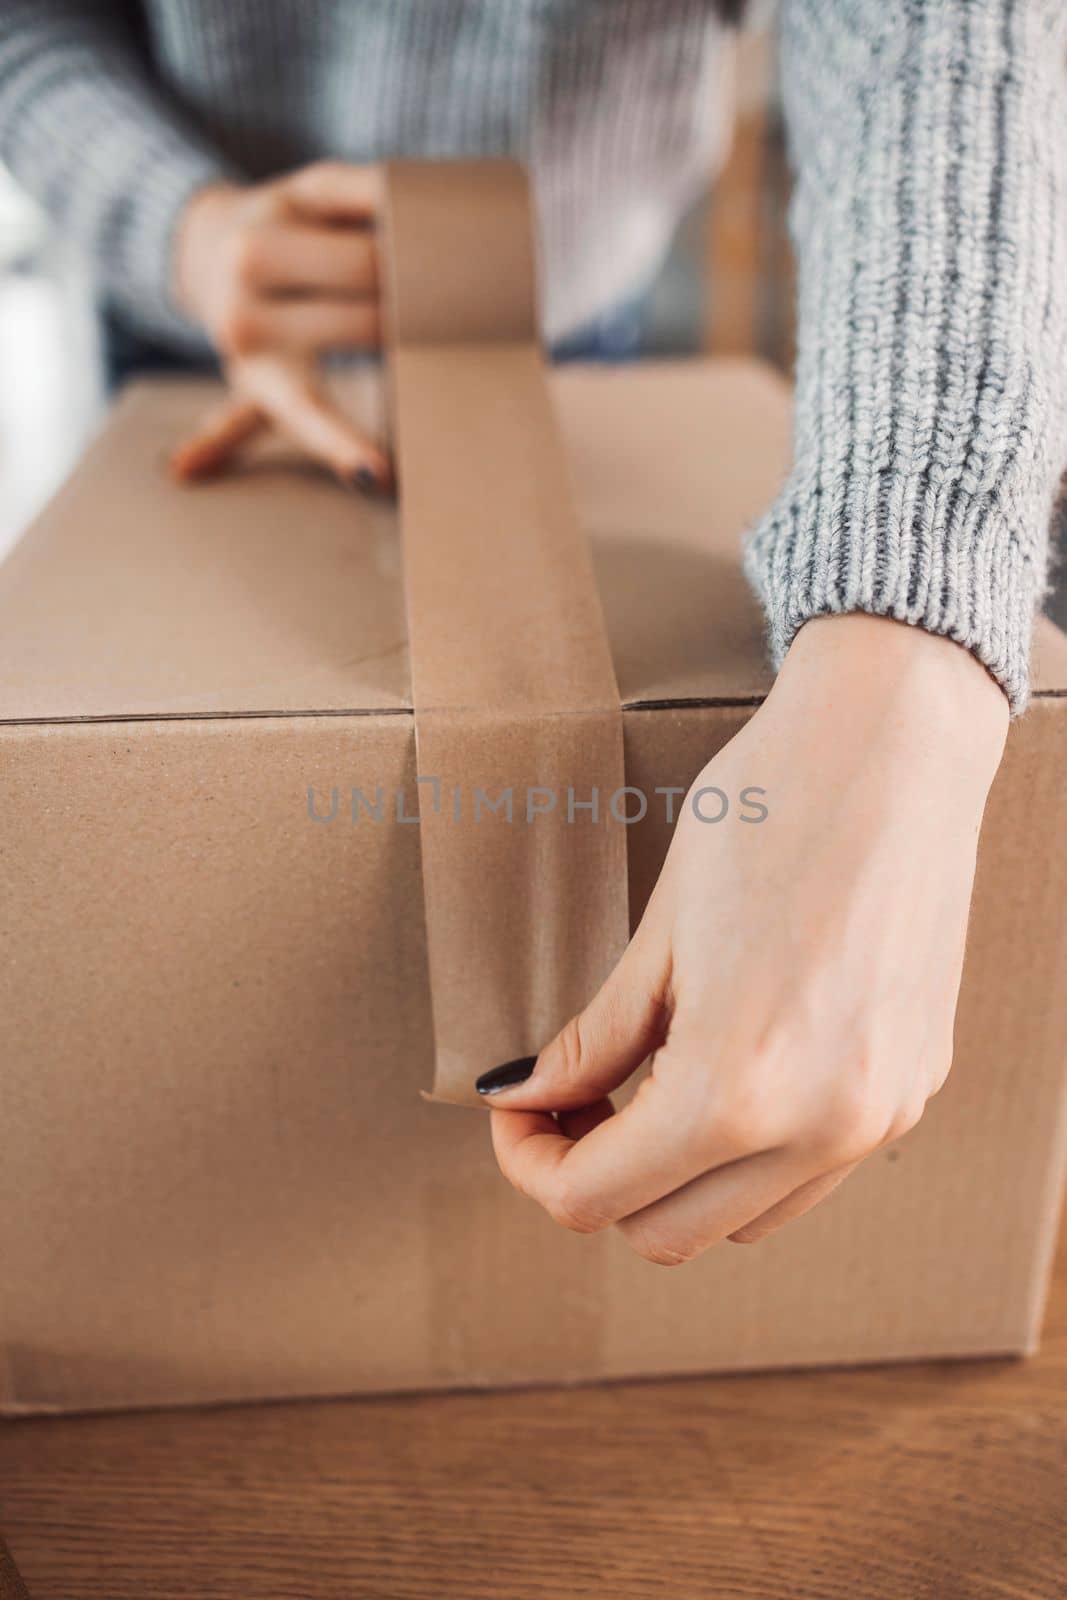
(598, 1049)
(336, 191)
(218, 438)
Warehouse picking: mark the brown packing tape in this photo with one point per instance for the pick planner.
(512, 679)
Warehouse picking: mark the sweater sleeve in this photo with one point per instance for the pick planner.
(929, 217)
(87, 132)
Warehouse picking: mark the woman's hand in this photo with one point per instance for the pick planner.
(795, 980)
(278, 274)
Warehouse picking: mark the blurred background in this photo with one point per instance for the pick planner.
(51, 392)
(727, 289)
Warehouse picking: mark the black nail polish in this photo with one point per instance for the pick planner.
(507, 1076)
(366, 479)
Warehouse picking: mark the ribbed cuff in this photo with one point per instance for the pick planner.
(142, 283)
(930, 148)
(954, 570)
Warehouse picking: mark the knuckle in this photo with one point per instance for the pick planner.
(661, 1249)
(750, 1234)
(906, 1118)
(745, 1121)
(246, 257)
(238, 329)
(942, 1067)
(574, 1210)
(508, 1171)
(852, 1122)
(569, 1053)
(751, 1110)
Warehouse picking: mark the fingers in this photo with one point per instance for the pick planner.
(288, 396)
(646, 1151)
(743, 1200)
(576, 1124)
(534, 1141)
(301, 259)
(335, 191)
(304, 412)
(712, 1208)
(531, 1148)
(598, 1049)
(295, 285)
(794, 1205)
(301, 326)
(218, 439)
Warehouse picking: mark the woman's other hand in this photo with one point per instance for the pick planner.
(278, 274)
(795, 981)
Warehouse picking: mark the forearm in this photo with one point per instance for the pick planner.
(930, 222)
(86, 131)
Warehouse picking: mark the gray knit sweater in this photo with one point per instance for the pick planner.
(929, 139)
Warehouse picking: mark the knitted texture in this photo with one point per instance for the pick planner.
(620, 108)
(930, 145)
(929, 139)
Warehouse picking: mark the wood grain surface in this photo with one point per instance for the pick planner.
(11, 1584)
(941, 1481)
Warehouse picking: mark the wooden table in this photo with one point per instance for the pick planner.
(947, 1482)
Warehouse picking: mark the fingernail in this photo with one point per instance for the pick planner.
(507, 1076)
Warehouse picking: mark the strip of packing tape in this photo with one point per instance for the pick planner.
(517, 715)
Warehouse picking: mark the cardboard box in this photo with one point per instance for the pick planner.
(220, 1176)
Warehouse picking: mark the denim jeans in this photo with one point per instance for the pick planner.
(615, 335)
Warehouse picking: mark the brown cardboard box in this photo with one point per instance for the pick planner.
(220, 1178)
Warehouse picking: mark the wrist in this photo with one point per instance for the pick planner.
(923, 694)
